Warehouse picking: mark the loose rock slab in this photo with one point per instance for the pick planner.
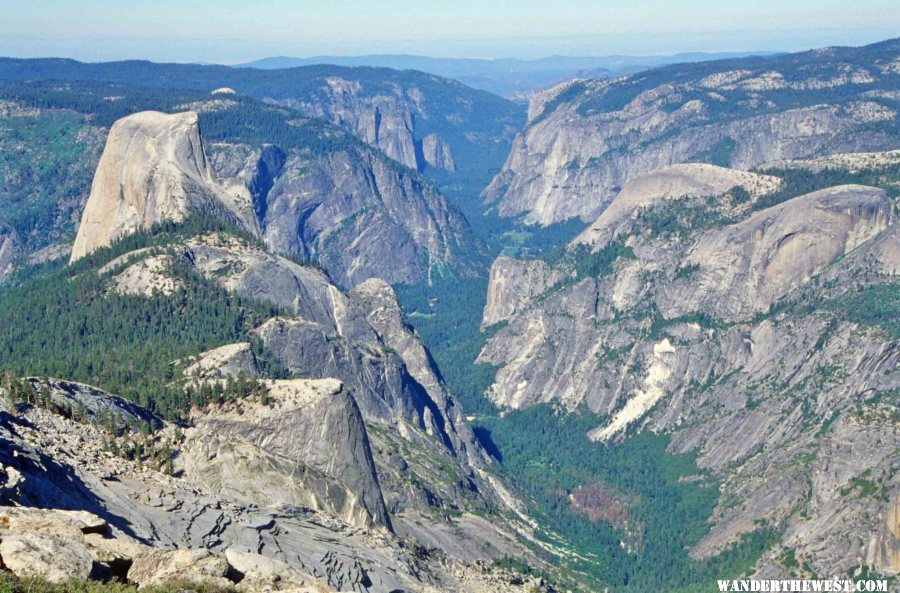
(53, 558)
(170, 567)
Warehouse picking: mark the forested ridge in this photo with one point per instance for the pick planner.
(67, 323)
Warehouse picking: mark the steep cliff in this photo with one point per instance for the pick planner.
(10, 251)
(171, 514)
(308, 470)
(586, 139)
(346, 205)
(356, 213)
(745, 268)
(513, 284)
(359, 338)
(437, 153)
(392, 110)
(757, 338)
(306, 447)
(154, 169)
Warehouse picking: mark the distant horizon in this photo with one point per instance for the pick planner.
(232, 32)
(503, 58)
(761, 52)
(235, 51)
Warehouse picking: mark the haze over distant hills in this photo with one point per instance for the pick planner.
(509, 77)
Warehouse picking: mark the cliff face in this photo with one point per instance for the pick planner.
(392, 110)
(416, 119)
(586, 139)
(745, 268)
(359, 338)
(382, 121)
(10, 250)
(514, 284)
(732, 329)
(153, 169)
(356, 213)
(308, 447)
(437, 153)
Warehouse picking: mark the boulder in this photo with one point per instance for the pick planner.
(11, 481)
(171, 567)
(51, 557)
(263, 574)
(513, 284)
(113, 556)
(66, 525)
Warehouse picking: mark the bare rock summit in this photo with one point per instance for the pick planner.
(153, 168)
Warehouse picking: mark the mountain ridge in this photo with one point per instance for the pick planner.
(587, 138)
(509, 77)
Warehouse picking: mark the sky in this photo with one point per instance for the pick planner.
(235, 31)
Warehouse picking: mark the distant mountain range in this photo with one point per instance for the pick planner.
(509, 77)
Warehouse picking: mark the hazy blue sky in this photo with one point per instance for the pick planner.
(241, 30)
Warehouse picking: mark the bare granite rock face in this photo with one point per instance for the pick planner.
(263, 574)
(170, 567)
(159, 528)
(230, 360)
(353, 211)
(377, 301)
(399, 115)
(437, 153)
(77, 399)
(63, 546)
(382, 120)
(508, 294)
(886, 553)
(146, 278)
(9, 252)
(55, 559)
(359, 338)
(153, 169)
(47, 543)
(669, 183)
(725, 330)
(586, 139)
(746, 267)
(356, 212)
(306, 446)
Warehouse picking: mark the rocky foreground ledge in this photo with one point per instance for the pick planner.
(150, 522)
(40, 548)
(60, 546)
